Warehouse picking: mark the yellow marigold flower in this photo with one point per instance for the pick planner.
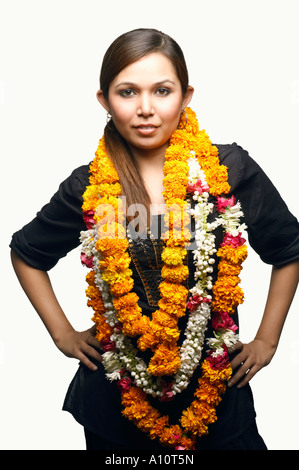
(177, 191)
(176, 217)
(114, 277)
(110, 230)
(174, 255)
(175, 238)
(175, 167)
(175, 273)
(175, 152)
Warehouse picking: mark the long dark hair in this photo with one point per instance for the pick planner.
(126, 49)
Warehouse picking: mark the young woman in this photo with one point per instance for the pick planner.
(163, 365)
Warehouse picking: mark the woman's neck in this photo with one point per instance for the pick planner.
(150, 164)
(150, 159)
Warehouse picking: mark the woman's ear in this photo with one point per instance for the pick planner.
(188, 96)
(101, 99)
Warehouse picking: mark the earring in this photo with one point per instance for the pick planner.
(108, 118)
(183, 120)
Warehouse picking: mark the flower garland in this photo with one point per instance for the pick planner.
(191, 166)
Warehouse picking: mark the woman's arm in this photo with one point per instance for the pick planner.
(259, 352)
(37, 286)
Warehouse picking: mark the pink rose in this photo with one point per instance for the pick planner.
(198, 186)
(124, 384)
(229, 239)
(178, 447)
(223, 320)
(168, 396)
(87, 261)
(194, 301)
(88, 219)
(108, 345)
(167, 392)
(219, 362)
(222, 203)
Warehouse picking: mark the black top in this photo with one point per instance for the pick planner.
(273, 232)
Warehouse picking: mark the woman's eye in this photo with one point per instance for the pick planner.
(163, 91)
(127, 93)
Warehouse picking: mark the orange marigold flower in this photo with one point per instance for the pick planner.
(228, 269)
(148, 422)
(208, 392)
(112, 247)
(227, 295)
(160, 424)
(176, 292)
(162, 317)
(216, 375)
(121, 288)
(112, 263)
(165, 333)
(127, 300)
(168, 435)
(147, 341)
(234, 255)
(133, 395)
(175, 274)
(178, 309)
(165, 360)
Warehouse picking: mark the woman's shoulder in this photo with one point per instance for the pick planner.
(232, 154)
(241, 167)
(80, 175)
(75, 184)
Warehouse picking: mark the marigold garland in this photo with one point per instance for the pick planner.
(116, 311)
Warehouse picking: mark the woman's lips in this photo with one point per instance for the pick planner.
(146, 129)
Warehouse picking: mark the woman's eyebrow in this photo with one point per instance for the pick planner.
(162, 82)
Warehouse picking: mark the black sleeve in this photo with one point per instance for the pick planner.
(273, 232)
(56, 228)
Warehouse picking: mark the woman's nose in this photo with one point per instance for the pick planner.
(145, 105)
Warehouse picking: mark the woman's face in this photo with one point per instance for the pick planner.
(145, 101)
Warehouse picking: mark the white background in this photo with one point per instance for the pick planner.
(243, 63)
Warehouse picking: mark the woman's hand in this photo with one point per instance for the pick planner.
(251, 358)
(81, 345)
